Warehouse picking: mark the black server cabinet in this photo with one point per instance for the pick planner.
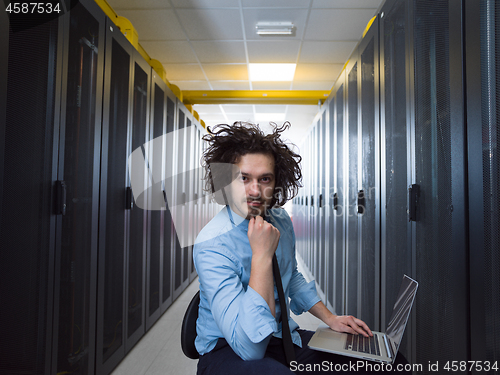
(482, 81)
(169, 236)
(78, 181)
(197, 193)
(395, 240)
(305, 208)
(159, 270)
(352, 256)
(439, 229)
(180, 208)
(138, 235)
(159, 259)
(320, 248)
(114, 208)
(315, 218)
(339, 197)
(305, 221)
(368, 201)
(156, 199)
(190, 195)
(311, 224)
(29, 130)
(188, 200)
(326, 200)
(330, 199)
(298, 215)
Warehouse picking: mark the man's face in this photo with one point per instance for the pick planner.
(252, 190)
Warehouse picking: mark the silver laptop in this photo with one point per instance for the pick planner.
(382, 347)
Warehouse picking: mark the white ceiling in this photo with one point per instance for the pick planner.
(208, 44)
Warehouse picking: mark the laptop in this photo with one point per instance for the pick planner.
(381, 347)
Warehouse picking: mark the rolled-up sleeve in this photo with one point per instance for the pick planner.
(242, 315)
(303, 295)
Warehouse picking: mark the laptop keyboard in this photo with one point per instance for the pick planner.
(362, 344)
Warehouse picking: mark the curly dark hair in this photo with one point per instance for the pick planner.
(228, 143)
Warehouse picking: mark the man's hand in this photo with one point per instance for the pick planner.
(340, 323)
(263, 237)
(349, 324)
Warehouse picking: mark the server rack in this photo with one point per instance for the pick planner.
(339, 204)
(368, 190)
(438, 159)
(351, 165)
(180, 210)
(330, 199)
(115, 201)
(483, 129)
(321, 258)
(139, 230)
(28, 171)
(315, 212)
(156, 161)
(415, 157)
(169, 235)
(90, 265)
(395, 141)
(83, 34)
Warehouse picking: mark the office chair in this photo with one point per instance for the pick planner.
(188, 329)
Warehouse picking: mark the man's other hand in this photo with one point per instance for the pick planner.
(263, 237)
(349, 324)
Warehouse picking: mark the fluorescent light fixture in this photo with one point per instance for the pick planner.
(271, 72)
(261, 117)
(274, 28)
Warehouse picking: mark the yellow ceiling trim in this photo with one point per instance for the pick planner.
(127, 29)
(107, 9)
(368, 26)
(309, 97)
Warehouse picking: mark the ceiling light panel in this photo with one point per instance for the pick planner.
(254, 16)
(274, 28)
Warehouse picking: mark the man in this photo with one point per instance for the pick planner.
(239, 328)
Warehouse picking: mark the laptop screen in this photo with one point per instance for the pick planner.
(401, 312)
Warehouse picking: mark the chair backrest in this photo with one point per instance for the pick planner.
(188, 329)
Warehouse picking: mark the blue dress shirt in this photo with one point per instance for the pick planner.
(231, 309)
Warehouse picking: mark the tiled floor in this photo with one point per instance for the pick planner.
(159, 351)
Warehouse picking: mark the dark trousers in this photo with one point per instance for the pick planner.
(222, 360)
